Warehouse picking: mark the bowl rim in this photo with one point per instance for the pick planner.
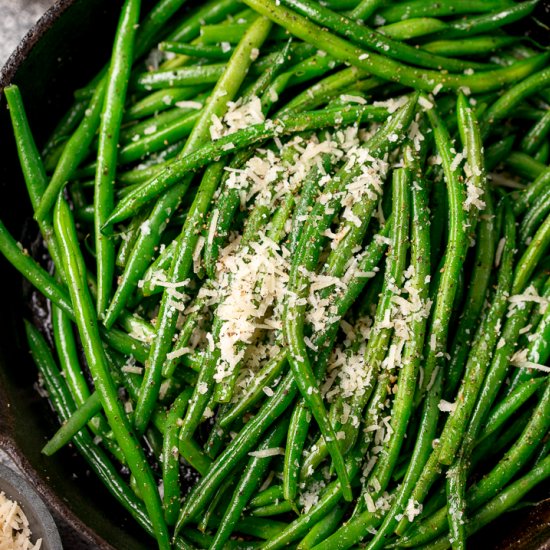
(17, 488)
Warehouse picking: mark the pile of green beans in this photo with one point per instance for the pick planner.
(300, 249)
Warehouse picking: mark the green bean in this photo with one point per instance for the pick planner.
(225, 89)
(543, 152)
(91, 340)
(323, 528)
(456, 247)
(525, 166)
(301, 526)
(499, 366)
(170, 458)
(129, 238)
(297, 435)
(177, 209)
(373, 40)
(538, 350)
(111, 118)
(208, 52)
(509, 405)
(484, 342)
(481, 272)
(366, 8)
(469, 26)
(250, 481)
(187, 76)
(211, 12)
(228, 33)
(532, 256)
(161, 100)
(238, 140)
(433, 372)
(391, 70)
(77, 421)
(513, 97)
(148, 240)
(402, 407)
(71, 370)
(98, 461)
(536, 134)
(31, 164)
(412, 28)
(68, 356)
(64, 127)
(456, 508)
(268, 496)
(473, 45)
(418, 8)
(294, 315)
(328, 88)
(525, 198)
(164, 136)
(36, 275)
(158, 122)
(153, 23)
(504, 501)
(497, 152)
(74, 152)
(272, 369)
(535, 215)
(488, 487)
(283, 507)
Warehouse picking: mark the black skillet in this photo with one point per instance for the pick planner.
(60, 54)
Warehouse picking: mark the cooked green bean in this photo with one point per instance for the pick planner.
(318, 309)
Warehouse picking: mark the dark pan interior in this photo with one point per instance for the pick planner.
(62, 52)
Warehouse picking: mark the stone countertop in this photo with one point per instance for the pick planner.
(17, 17)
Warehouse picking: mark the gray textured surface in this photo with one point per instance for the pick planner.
(16, 18)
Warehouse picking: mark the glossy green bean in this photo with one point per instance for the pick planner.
(88, 329)
(417, 8)
(170, 458)
(473, 45)
(250, 481)
(109, 128)
(74, 152)
(503, 15)
(96, 458)
(208, 52)
(374, 40)
(421, 79)
(403, 404)
(225, 89)
(34, 173)
(509, 405)
(504, 501)
(160, 100)
(412, 28)
(484, 342)
(239, 140)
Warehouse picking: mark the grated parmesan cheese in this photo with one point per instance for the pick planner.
(266, 453)
(15, 533)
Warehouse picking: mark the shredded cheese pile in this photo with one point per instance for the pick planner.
(14, 527)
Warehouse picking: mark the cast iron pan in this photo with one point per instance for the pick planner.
(60, 54)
